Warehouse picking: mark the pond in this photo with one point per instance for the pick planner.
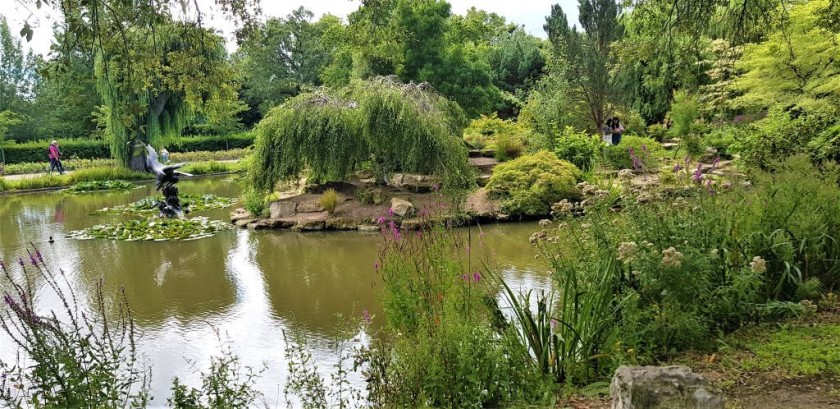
(248, 286)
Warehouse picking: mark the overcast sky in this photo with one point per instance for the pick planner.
(530, 13)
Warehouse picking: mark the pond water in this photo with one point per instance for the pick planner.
(248, 286)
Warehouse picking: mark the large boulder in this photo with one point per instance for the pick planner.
(417, 183)
(282, 209)
(668, 387)
(401, 207)
(310, 206)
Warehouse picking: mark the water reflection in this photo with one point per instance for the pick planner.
(245, 287)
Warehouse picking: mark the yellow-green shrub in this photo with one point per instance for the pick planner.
(329, 200)
(530, 184)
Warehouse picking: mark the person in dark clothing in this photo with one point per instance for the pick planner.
(617, 129)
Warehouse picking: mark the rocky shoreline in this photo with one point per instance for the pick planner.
(408, 210)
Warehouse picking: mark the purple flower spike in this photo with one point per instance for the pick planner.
(376, 266)
(22, 264)
(390, 212)
(2, 265)
(38, 254)
(716, 162)
(465, 278)
(32, 260)
(366, 316)
(644, 148)
(476, 277)
(677, 168)
(8, 299)
(380, 220)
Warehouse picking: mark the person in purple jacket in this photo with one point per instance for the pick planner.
(55, 158)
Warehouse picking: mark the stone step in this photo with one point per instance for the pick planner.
(485, 165)
(481, 153)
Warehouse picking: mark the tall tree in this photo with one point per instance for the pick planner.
(587, 53)
(286, 55)
(17, 81)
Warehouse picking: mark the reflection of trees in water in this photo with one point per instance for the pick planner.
(182, 280)
(312, 276)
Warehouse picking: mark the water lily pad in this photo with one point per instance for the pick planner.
(153, 230)
(101, 185)
(193, 202)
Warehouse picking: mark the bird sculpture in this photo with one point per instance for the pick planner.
(167, 177)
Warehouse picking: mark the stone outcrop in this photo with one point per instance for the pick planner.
(402, 208)
(310, 206)
(282, 209)
(669, 387)
(417, 183)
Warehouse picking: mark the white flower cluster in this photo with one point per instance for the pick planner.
(627, 251)
(758, 265)
(672, 258)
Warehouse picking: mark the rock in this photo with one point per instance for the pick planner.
(244, 222)
(239, 214)
(484, 165)
(479, 205)
(309, 225)
(341, 223)
(401, 207)
(481, 180)
(271, 223)
(282, 209)
(368, 228)
(415, 223)
(310, 206)
(669, 387)
(417, 183)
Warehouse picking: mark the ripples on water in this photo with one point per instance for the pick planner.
(247, 286)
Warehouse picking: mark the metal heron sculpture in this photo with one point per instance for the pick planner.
(167, 177)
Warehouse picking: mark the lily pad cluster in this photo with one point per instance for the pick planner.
(154, 229)
(101, 185)
(193, 202)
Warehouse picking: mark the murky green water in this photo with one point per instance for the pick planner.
(250, 286)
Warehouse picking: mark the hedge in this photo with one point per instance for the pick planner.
(97, 149)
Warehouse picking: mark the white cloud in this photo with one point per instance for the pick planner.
(529, 13)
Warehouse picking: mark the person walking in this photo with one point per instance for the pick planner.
(607, 137)
(164, 155)
(55, 158)
(617, 129)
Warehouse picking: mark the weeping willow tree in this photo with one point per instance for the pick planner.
(394, 126)
(175, 70)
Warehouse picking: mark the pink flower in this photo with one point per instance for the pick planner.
(366, 316)
(465, 277)
(476, 276)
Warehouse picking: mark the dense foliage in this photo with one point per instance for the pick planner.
(394, 126)
(530, 184)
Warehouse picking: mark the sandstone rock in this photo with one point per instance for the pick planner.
(479, 205)
(669, 387)
(239, 214)
(282, 209)
(244, 222)
(310, 206)
(417, 183)
(402, 208)
(415, 223)
(309, 225)
(341, 223)
(271, 223)
(368, 228)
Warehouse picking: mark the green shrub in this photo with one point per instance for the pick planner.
(3, 185)
(507, 148)
(37, 151)
(646, 150)
(530, 184)
(657, 131)
(224, 385)
(329, 200)
(786, 133)
(484, 131)
(810, 289)
(206, 168)
(255, 203)
(578, 148)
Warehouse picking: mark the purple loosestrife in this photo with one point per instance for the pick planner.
(476, 276)
(465, 278)
(715, 163)
(22, 264)
(366, 316)
(677, 167)
(2, 265)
